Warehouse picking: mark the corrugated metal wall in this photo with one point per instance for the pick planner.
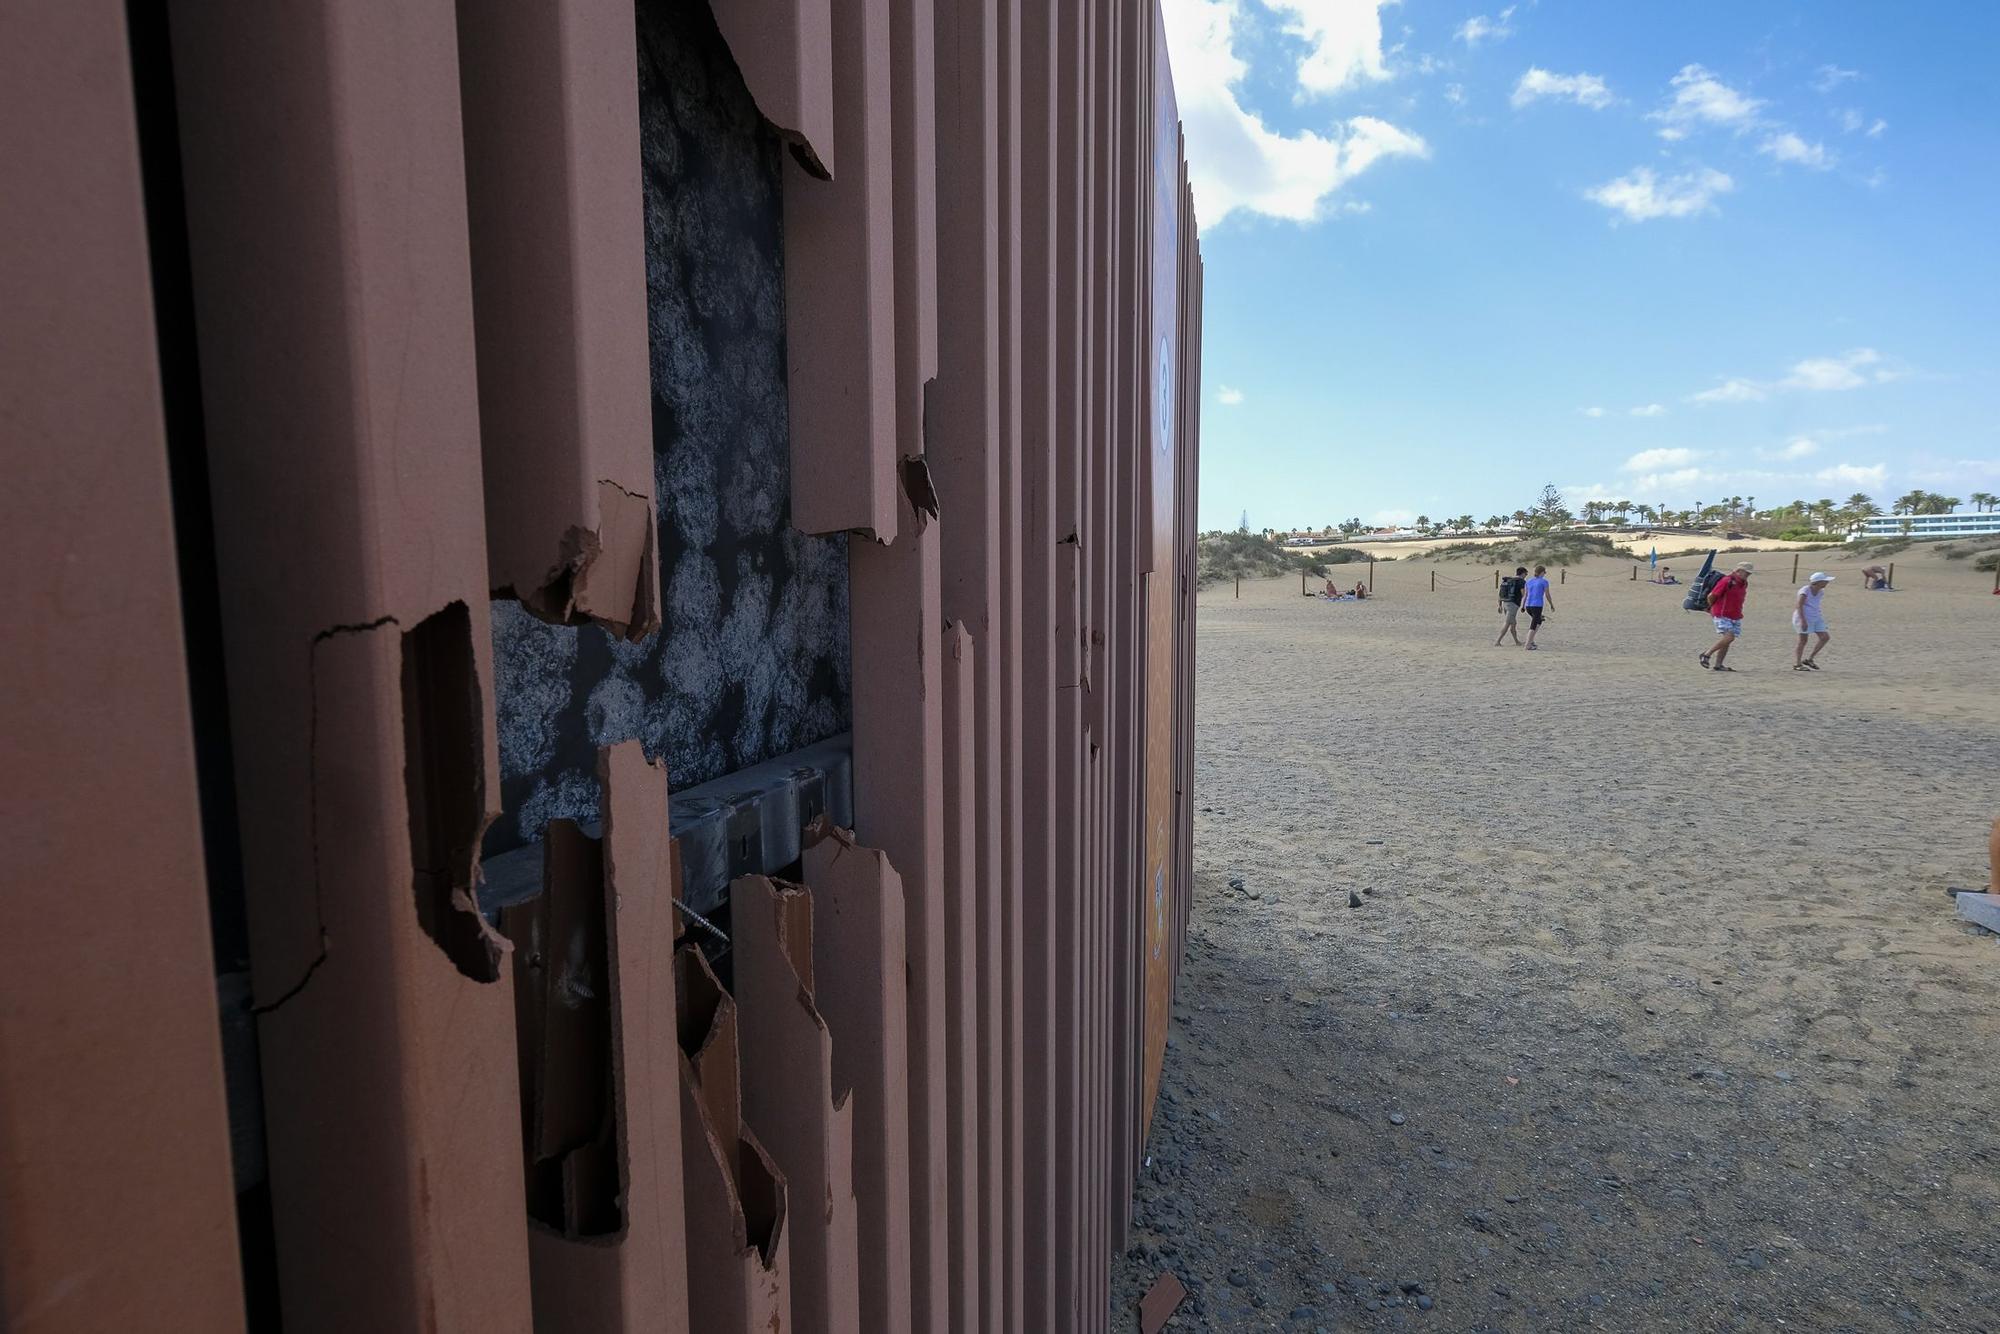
(912, 1092)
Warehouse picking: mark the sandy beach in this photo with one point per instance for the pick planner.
(1655, 1014)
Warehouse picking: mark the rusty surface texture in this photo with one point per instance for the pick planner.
(585, 395)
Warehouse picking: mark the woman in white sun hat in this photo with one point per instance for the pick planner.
(1809, 620)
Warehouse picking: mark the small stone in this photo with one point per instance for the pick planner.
(1502, 1290)
(1597, 1299)
(1353, 899)
(1236, 882)
(1410, 1285)
(1265, 1266)
(1755, 1260)
(1238, 1279)
(1303, 1313)
(1369, 890)
(1396, 1118)
(1783, 1076)
(1371, 1305)
(1424, 1302)
(1513, 1199)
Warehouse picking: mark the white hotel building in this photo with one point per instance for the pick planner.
(1961, 524)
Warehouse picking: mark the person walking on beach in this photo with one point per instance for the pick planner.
(1511, 589)
(1808, 620)
(1725, 604)
(1535, 597)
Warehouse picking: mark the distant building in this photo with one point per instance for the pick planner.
(1959, 524)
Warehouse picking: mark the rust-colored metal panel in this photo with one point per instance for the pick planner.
(551, 109)
(785, 50)
(612, 1253)
(1044, 888)
(913, 149)
(1156, 907)
(964, 451)
(970, 1089)
(859, 962)
(840, 312)
(116, 1208)
(739, 1238)
(806, 1119)
(326, 218)
(1003, 900)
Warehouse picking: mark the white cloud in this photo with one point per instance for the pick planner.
(1655, 482)
(1875, 130)
(1850, 474)
(1801, 448)
(1641, 195)
(1702, 99)
(1650, 410)
(1479, 28)
(1393, 518)
(1454, 93)
(1228, 397)
(1831, 77)
(1849, 370)
(1592, 411)
(1788, 147)
(1732, 391)
(1651, 460)
(1586, 90)
(1235, 160)
(1851, 120)
(1343, 41)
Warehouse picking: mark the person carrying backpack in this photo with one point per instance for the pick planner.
(1725, 604)
(1510, 603)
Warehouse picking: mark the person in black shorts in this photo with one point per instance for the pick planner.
(1510, 603)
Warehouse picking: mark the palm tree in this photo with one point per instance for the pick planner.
(1985, 500)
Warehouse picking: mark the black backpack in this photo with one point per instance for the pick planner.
(1698, 594)
(1511, 588)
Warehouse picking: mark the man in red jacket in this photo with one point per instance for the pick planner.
(1725, 604)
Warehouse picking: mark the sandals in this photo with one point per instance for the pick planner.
(1702, 658)
(1800, 667)
(1811, 666)
(1722, 667)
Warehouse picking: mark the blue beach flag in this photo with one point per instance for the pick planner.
(1653, 558)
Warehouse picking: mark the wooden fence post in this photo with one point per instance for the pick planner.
(1371, 574)
(1239, 585)
(1891, 580)
(1434, 581)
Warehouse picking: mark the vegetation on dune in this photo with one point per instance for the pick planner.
(1550, 548)
(1241, 555)
(1881, 546)
(1984, 552)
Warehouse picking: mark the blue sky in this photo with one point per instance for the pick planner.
(1655, 250)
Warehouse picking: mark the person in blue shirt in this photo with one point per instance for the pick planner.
(1536, 602)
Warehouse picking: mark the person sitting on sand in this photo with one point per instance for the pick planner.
(1808, 620)
(1666, 575)
(1874, 577)
(1725, 604)
(1331, 591)
(1361, 592)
